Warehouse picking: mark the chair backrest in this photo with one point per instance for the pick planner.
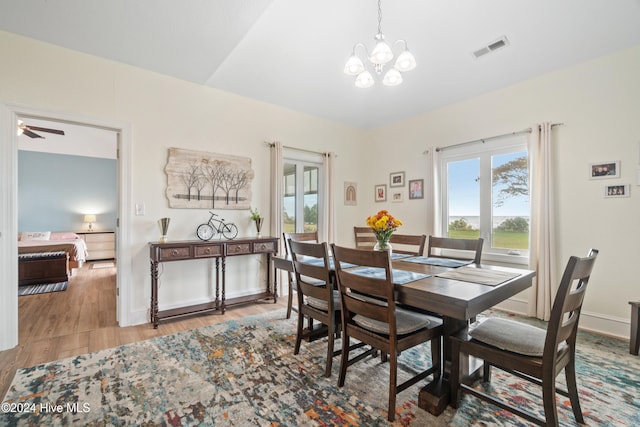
(408, 244)
(313, 279)
(565, 313)
(365, 239)
(453, 245)
(380, 303)
(311, 236)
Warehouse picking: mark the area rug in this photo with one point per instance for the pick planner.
(42, 288)
(241, 373)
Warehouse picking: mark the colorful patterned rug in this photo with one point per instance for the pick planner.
(244, 372)
(42, 288)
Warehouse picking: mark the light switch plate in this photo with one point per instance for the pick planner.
(140, 211)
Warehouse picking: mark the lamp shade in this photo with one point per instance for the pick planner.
(364, 80)
(89, 218)
(381, 53)
(406, 61)
(354, 66)
(392, 78)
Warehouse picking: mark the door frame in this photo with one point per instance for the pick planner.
(9, 114)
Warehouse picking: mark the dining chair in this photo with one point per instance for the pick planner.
(364, 237)
(453, 245)
(408, 244)
(529, 352)
(370, 315)
(317, 298)
(311, 236)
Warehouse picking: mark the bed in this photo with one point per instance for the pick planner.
(45, 241)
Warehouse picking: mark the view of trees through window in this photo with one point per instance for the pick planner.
(300, 198)
(488, 196)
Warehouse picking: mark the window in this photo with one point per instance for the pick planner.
(302, 193)
(485, 193)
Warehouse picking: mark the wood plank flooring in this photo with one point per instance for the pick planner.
(82, 319)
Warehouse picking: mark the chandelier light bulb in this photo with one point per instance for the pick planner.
(354, 66)
(405, 61)
(382, 52)
(364, 80)
(392, 78)
(380, 56)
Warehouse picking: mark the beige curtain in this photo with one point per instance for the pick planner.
(432, 192)
(275, 216)
(330, 199)
(542, 238)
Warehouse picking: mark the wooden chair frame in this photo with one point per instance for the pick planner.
(409, 244)
(558, 354)
(378, 303)
(296, 237)
(316, 282)
(473, 245)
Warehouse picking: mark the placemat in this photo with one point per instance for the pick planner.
(320, 262)
(478, 275)
(400, 277)
(440, 262)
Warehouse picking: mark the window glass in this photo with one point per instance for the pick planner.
(301, 196)
(485, 193)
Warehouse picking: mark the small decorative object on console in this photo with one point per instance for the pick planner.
(164, 227)
(255, 216)
(383, 224)
(216, 226)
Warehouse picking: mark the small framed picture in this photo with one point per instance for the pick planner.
(396, 179)
(604, 170)
(350, 193)
(380, 193)
(616, 190)
(416, 189)
(396, 196)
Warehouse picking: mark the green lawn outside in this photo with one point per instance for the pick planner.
(501, 239)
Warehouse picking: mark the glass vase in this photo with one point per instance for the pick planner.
(382, 245)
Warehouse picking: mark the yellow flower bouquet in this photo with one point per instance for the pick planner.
(383, 224)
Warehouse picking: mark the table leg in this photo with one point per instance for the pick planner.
(224, 285)
(217, 283)
(154, 294)
(634, 342)
(434, 397)
(275, 280)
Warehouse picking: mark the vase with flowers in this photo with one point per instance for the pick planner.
(383, 224)
(255, 216)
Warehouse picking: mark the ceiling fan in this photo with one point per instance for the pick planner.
(29, 130)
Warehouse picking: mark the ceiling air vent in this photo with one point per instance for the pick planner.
(491, 47)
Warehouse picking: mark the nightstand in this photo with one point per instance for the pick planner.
(100, 244)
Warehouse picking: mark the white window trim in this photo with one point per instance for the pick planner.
(500, 145)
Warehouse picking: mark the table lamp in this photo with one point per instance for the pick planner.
(90, 219)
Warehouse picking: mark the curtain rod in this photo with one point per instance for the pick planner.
(271, 144)
(483, 140)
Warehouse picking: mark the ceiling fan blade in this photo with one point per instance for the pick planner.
(31, 134)
(56, 131)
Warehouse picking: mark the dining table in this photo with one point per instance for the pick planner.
(455, 290)
(458, 291)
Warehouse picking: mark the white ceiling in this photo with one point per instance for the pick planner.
(291, 52)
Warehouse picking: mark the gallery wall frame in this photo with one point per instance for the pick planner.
(621, 190)
(604, 170)
(396, 179)
(397, 196)
(350, 193)
(380, 193)
(416, 189)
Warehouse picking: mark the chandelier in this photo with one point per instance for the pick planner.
(379, 58)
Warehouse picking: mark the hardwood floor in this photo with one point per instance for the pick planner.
(82, 319)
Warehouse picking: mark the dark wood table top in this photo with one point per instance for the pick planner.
(456, 298)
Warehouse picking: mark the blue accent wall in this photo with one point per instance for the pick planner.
(56, 190)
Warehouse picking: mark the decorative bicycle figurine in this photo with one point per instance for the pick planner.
(216, 226)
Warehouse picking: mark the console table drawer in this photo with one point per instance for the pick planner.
(180, 252)
(208, 251)
(264, 247)
(238, 248)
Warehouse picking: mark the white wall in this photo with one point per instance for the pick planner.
(599, 104)
(166, 112)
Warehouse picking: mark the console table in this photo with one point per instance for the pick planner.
(218, 249)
